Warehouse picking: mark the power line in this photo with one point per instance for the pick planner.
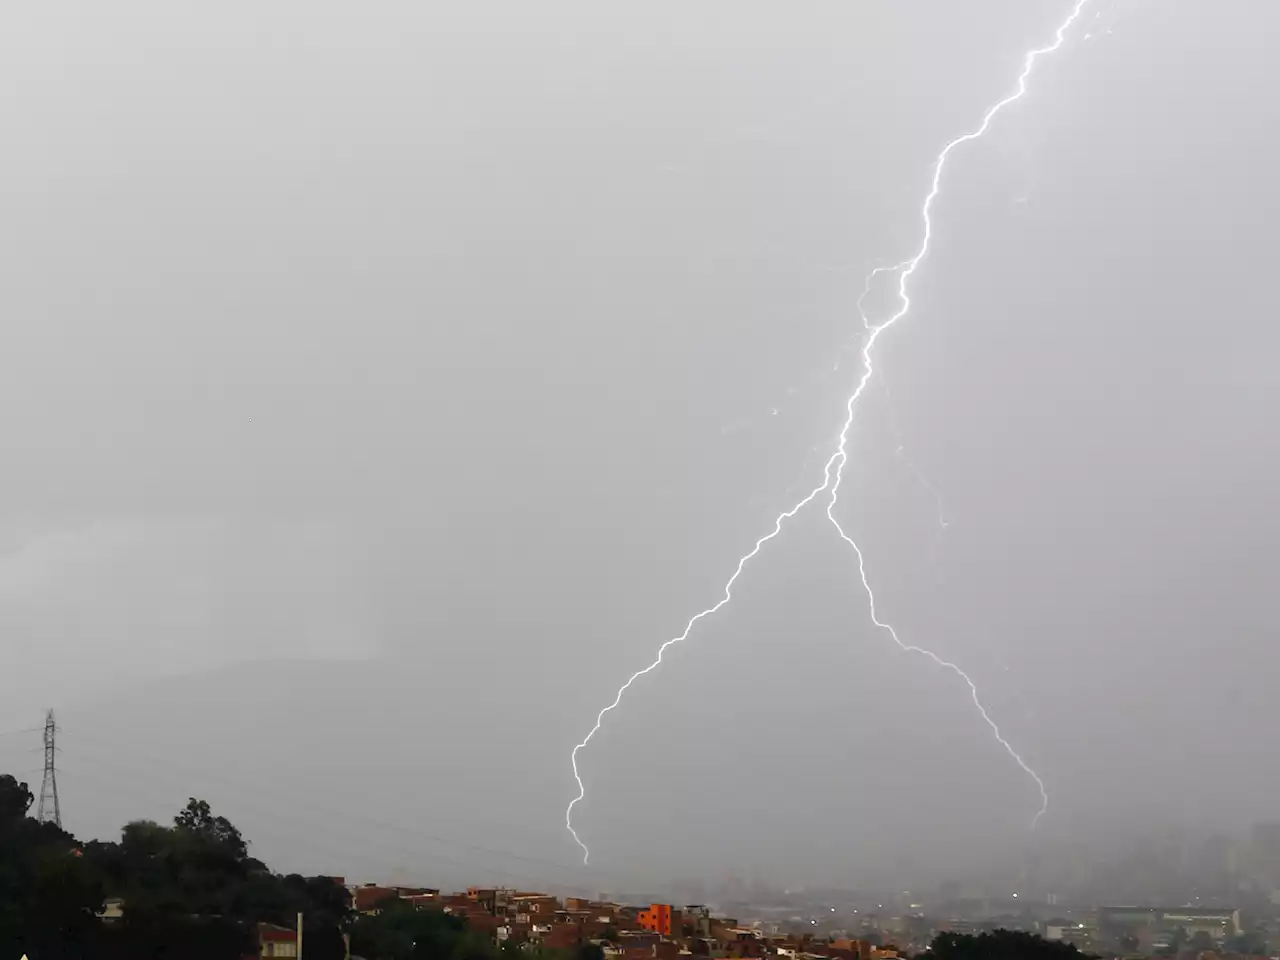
(386, 825)
(302, 829)
(20, 730)
(294, 801)
(100, 781)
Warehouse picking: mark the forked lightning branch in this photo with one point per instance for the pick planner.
(833, 472)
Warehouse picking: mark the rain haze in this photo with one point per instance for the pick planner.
(382, 385)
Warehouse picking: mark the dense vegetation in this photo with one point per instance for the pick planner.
(190, 890)
(1000, 945)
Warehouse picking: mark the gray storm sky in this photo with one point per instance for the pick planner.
(380, 387)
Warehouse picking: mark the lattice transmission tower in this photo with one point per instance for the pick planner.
(48, 811)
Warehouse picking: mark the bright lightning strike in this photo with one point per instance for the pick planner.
(833, 474)
(728, 595)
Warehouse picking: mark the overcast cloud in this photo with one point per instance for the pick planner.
(381, 385)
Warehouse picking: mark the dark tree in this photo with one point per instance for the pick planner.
(189, 891)
(197, 820)
(399, 932)
(49, 897)
(1001, 945)
(15, 800)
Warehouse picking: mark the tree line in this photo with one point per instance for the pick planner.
(190, 890)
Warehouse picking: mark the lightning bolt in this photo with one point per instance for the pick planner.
(833, 473)
(728, 595)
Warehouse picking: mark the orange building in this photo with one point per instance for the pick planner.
(660, 918)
